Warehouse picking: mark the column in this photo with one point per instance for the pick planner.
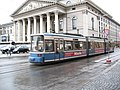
(85, 23)
(56, 22)
(14, 31)
(65, 24)
(18, 37)
(35, 24)
(48, 22)
(41, 23)
(23, 30)
(28, 30)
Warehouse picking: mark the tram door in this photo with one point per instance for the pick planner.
(59, 49)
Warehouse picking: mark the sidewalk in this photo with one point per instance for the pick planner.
(13, 55)
(108, 80)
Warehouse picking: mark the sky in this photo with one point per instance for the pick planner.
(7, 7)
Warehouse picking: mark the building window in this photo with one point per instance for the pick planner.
(73, 8)
(11, 31)
(61, 24)
(92, 19)
(74, 22)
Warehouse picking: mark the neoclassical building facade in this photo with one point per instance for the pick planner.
(62, 16)
(6, 32)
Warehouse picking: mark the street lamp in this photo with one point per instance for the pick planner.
(8, 37)
(116, 36)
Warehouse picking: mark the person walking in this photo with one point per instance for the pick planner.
(7, 52)
(10, 51)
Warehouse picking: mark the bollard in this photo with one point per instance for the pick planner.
(108, 61)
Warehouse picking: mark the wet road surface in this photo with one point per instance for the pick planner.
(83, 74)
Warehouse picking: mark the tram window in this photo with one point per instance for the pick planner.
(61, 45)
(92, 45)
(49, 45)
(37, 43)
(82, 45)
(76, 45)
(68, 45)
(40, 46)
(96, 44)
(101, 45)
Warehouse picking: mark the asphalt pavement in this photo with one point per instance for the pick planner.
(107, 79)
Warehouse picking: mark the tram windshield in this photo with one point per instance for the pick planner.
(37, 43)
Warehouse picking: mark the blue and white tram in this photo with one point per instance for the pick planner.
(109, 46)
(95, 46)
(52, 47)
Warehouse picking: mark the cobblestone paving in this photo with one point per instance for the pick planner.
(109, 80)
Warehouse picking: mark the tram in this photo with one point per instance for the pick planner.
(53, 47)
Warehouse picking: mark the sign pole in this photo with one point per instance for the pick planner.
(107, 33)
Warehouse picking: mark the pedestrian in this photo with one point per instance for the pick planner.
(7, 52)
(10, 51)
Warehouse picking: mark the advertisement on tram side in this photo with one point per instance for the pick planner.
(99, 50)
(78, 53)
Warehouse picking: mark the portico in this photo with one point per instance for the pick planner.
(30, 20)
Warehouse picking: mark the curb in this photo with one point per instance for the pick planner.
(13, 56)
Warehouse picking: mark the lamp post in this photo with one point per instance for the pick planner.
(8, 37)
(116, 37)
(107, 34)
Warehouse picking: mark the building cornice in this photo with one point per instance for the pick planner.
(97, 7)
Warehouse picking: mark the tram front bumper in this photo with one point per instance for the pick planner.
(36, 59)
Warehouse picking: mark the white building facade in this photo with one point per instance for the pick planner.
(63, 16)
(6, 34)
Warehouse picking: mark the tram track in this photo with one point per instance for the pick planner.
(24, 66)
(90, 73)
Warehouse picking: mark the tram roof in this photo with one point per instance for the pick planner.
(60, 34)
(95, 37)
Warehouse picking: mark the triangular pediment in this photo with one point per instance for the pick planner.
(31, 5)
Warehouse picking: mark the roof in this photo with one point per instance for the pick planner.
(7, 24)
(26, 2)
